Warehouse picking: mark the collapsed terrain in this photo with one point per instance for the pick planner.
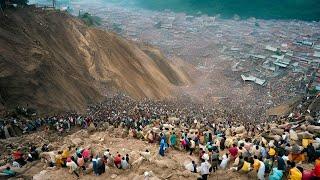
(54, 62)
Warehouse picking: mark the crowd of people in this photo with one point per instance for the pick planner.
(221, 140)
(14, 126)
(79, 161)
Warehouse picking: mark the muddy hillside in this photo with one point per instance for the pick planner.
(52, 61)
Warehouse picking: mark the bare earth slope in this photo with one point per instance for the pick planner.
(52, 61)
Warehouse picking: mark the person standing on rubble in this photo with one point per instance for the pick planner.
(281, 164)
(117, 160)
(173, 140)
(80, 162)
(294, 172)
(18, 156)
(124, 163)
(311, 153)
(261, 170)
(204, 169)
(192, 145)
(162, 146)
(73, 166)
(233, 151)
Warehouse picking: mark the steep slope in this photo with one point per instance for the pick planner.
(52, 61)
(176, 73)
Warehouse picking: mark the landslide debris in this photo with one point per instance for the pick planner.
(54, 62)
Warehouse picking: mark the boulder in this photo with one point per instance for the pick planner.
(277, 131)
(113, 176)
(137, 162)
(156, 130)
(173, 120)
(68, 141)
(124, 133)
(188, 166)
(82, 134)
(105, 125)
(168, 126)
(228, 132)
(305, 135)
(240, 129)
(165, 164)
(91, 128)
(264, 141)
(110, 129)
(293, 135)
(273, 125)
(188, 174)
(303, 127)
(313, 129)
(42, 175)
(276, 137)
(309, 118)
(77, 141)
(242, 135)
(228, 142)
(283, 126)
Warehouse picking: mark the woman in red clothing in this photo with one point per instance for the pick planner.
(233, 151)
(18, 157)
(117, 161)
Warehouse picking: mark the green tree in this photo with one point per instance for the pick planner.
(89, 19)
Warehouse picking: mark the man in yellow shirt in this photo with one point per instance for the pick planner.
(58, 159)
(244, 166)
(65, 154)
(256, 163)
(272, 152)
(294, 172)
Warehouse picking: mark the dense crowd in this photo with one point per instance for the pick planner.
(220, 139)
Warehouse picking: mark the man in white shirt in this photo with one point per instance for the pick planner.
(107, 153)
(124, 163)
(204, 169)
(192, 145)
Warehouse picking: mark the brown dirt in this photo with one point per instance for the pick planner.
(52, 61)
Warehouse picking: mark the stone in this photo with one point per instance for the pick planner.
(303, 127)
(240, 129)
(313, 129)
(228, 132)
(77, 141)
(305, 135)
(277, 131)
(309, 118)
(277, 137)
(113, 176)
(91, 128)
(293, 135)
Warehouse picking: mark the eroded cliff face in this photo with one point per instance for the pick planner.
(54, 62)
